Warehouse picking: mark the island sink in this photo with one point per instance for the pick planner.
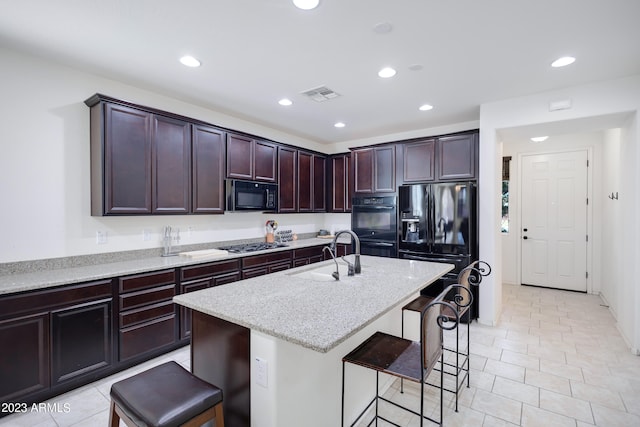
(323, 273)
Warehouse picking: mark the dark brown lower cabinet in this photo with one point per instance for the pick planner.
(81, 340)
(56, 339)
(148, 321)
(310, 255)
(24, 356)
(52, 340)
(259, 265)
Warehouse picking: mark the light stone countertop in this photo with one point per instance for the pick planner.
(315, 314)
(11, 283)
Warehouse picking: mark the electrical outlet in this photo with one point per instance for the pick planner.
(262, 368)
(146, 235)
(101, 237)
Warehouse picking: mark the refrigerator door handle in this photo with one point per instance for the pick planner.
(383, 244)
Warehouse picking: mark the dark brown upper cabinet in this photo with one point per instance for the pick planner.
(171, 168)
(288, 183)
(419, 161)
(311, 173)
(374, 169)
(340, 183)
(208, 155)
(302, 181)
(120, 160)
(251, 159)
(145, 161)
(319, 183)
(305, 181)
(457, 157)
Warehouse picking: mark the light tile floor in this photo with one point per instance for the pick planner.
(555, 359)
(87, 406)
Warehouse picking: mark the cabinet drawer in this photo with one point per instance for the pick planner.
(307, 252)
(40, 300)
(257, 260)
(145, 314)
(149, 296)
(147, 337)
(210, 269)
(146, 280)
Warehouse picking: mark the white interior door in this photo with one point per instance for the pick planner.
(554, 220)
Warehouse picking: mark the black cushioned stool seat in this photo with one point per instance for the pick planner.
(165, 396)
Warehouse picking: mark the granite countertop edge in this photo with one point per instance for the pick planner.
(42, 279)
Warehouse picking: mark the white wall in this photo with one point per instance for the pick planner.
(44, 168)
(590, 103)
(613, 229)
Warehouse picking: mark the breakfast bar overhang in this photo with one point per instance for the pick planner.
(275, 343)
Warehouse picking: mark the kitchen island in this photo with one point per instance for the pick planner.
(274, 343)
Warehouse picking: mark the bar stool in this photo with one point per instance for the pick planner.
(461, 298)
(165, 396)
(404, 358)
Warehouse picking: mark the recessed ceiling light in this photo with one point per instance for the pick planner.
(416, 67)
(285, 102)
(425, 107)
(382, 28)
(339, 125)
(539, 138)
(387, 72)
(189, 61)
(306, 4)
(563, 62)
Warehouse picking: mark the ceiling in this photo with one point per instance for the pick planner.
(452, 54)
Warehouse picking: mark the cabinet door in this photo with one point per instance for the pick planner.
(208, 170)
(185, 313)
(24, 356)
(81, 340)
(385, 170)
(419, 161)
(319, 183)
(287, 183)
(305, 182)
(457, 157)
(239, 157)
(171, 155)
(265, 161)
(127, 162)
(363, 170)
(338, 184)
(348, 175)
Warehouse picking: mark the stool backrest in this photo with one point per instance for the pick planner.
(471, 275)
(432, 324)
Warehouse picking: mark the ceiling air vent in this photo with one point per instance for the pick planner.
(320, 94)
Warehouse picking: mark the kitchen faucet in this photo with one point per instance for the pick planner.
(357, 267)
(335, 274)
(168, 240)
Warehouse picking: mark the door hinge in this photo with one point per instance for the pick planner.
(587, 201)
(587, 237)
(587, 163)
(586, 275)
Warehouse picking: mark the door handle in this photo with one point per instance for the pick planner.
(525, 237)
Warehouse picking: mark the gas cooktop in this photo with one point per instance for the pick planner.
(252, 247)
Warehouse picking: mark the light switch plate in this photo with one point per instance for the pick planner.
(262, 368)
(101, 237)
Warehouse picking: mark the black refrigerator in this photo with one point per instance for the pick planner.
(438, 222)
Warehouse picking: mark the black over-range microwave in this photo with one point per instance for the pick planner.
(251, 196)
